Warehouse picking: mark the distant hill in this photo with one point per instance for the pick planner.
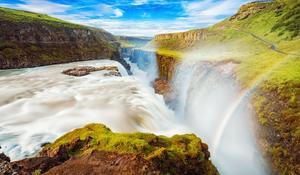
(129, 41)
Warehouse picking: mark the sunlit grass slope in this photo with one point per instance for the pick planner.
(30, 17)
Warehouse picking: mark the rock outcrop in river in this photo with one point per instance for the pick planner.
(30, 39)
(85, 70)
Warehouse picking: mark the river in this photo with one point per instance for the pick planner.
(38, 105)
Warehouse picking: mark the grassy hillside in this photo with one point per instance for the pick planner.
(16, 16)
(264, 38)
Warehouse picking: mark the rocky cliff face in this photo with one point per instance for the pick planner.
(179, 40)
(166, 66)
(248, 10)
(26, 41)
(190, 35)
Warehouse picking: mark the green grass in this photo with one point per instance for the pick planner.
(168, 153)
(170, 53)
(147, 144)
(21, 16)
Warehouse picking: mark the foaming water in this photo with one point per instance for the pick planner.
(38, 105)
(144, 65)
(213, 105)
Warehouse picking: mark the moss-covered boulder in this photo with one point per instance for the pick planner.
(180, 154)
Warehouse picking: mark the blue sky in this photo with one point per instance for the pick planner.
(134, 17)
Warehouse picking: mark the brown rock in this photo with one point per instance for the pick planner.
(85, 70)
(101, 162)
(163, 87)
(41, 164)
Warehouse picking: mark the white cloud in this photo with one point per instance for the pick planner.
(139, 2)
(197, 14)
(42, 6)
(208, 12)
(118, 12)
(110, 10)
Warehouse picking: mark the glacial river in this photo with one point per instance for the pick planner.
(38, 105)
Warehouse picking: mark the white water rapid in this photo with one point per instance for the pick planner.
(38, 105)
(213, 106)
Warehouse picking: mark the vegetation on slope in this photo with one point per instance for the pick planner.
(264, 38)
(31, 17)
(180, 154)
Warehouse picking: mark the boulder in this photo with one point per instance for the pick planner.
(85, 70)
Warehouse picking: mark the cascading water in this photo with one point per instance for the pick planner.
(143, 64)
(209, 101)
(38, 105)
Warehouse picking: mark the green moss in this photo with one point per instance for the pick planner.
(37, 172)
(170, 53)
(180, 154)
(150, 145)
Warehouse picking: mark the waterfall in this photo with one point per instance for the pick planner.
(40, 104)
(143, 63)
(213, 106)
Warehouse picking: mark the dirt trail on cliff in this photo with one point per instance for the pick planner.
(271, 44)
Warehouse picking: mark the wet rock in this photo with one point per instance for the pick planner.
(112, 73)
(3, 157)
(8, 168)
(40, 164)
(85, 70)
(163, 87)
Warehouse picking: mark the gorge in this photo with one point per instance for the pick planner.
(219, 100)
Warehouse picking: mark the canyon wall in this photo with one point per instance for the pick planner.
(180, 40)
(166, 66)
(29, 39)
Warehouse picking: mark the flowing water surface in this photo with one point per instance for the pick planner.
(38, 105)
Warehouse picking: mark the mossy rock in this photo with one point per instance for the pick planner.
(180, 154)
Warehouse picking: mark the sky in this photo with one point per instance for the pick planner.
(134, 17)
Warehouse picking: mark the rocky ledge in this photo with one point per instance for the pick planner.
(95, 149)
(85, 70)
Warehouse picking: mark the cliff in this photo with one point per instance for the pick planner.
(263, 37)
(30, 39)
(182, 40)
(95, 149)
